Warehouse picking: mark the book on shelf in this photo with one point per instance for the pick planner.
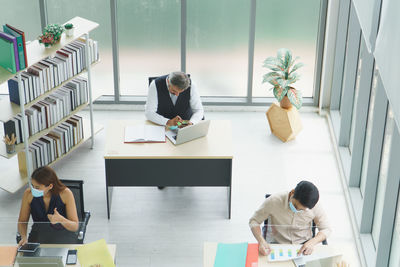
(47, 112)
(23, 42)
(52, 71)
(56, 143)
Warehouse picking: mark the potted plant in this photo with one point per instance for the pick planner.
(282, 76)
(51, 35)
(69, 29)
(10, 143)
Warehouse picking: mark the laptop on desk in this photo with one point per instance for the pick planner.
(46, 257)
(188, 133)
(312, 261)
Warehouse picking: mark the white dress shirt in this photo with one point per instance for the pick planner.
(152, 105)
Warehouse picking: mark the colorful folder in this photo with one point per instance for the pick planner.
(12, 39)
(252, 255)
(23, 43)
(95, 253)
(232, 255)
(7, 56)
(21, 53)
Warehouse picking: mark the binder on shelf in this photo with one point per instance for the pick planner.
(7, 56)
(20, 43)
(12, 39)
(23, 42)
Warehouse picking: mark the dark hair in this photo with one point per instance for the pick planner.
(46, 176)
(307, 194)
(179, 79)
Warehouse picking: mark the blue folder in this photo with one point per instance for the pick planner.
(231, 255)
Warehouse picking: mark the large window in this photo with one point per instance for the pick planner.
(149, 42)
(289, 24)
(395, 251)
(28, 20)
(217, 46)
(60, 11)
(385, 158)
(368, 139)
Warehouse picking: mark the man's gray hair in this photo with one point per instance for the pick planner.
(179, 79)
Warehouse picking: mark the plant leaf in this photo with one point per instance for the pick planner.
(295, 97)
(270, 76)
(296, 67)
(279, 92)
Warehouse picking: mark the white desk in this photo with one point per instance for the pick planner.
(206, 161)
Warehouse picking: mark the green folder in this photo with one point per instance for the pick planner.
(7, 57)
(231, 255)
(20, 44)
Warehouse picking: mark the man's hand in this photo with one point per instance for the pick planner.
(55, 218)
(174, 121)
(307, 248)
(23, 241)
(264, 248)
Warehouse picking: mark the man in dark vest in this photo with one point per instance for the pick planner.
(173, 98)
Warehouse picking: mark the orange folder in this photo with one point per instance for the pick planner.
(252, 255)
(7, 255)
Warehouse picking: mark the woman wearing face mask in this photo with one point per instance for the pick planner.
(53, 210)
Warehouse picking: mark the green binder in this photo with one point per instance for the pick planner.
(7, 57)
(20, 45)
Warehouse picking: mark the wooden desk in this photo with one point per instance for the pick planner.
(206, 161)
(210, 250)
(111, 247)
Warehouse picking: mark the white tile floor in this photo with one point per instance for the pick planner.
(167, 228)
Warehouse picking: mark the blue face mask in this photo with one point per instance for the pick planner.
(293, 208)
(36, 193)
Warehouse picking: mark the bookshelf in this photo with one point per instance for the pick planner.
(12, 179)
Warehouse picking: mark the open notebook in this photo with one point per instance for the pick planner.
(142, 133)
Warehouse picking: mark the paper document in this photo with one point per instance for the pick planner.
(284, 252)
(142, 133)
(95, 253)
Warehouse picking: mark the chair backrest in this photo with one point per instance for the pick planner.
(76, 186)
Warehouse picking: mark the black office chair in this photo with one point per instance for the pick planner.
(265, 227)
(76, 186)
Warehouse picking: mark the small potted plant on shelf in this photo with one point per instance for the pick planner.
(284, 121)
(51, 35)
(69, 29)
(10, 143)
(282, 76)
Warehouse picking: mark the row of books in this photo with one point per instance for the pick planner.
(12, 49)
(53, 71)
(50, 110)
(57, 142)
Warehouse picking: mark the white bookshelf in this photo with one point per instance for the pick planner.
(12, 179)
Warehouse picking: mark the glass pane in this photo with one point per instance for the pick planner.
(376, 227)
(368, 139)
(60, 11)
(28, 20)
(395, 251)
(149, 42)
(356, 92)
(217, 48)
(298, 31)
